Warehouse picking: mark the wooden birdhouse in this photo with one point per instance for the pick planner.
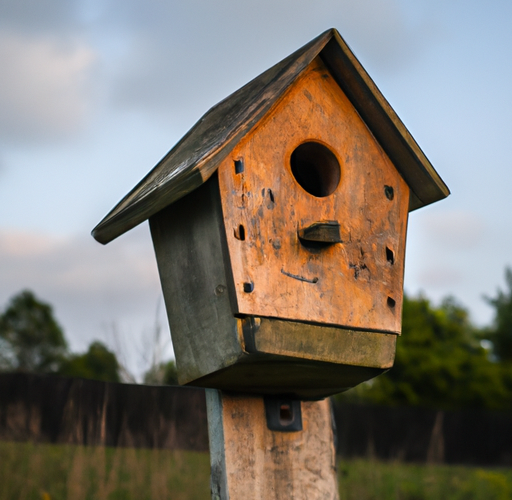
(279, 225)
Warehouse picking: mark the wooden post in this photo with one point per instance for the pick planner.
(251, 462)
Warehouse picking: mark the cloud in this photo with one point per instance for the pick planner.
(47, 88)
(190, 55)
(172, 60)
(440, 277)
(456, 230)
(91, 287)
(40, 16)
(442, 245)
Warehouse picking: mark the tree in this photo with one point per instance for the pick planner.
(162, 374)
(31, 338)
(500, 333)
(97, 363)
(439, 363)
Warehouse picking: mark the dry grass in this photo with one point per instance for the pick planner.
(59, 472)
(55, 472)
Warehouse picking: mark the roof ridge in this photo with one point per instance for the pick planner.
(199, 152)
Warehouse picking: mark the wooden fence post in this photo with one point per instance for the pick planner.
(251, 462)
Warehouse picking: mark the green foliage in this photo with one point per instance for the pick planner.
(440, 363)
(97, 363)
(500, 333)
(170, 373)
(163, 374)
(31, 339)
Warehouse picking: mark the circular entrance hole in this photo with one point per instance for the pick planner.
(315, 168)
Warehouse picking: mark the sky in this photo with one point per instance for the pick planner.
(93, 93)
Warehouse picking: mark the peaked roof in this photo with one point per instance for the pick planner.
(198, 154)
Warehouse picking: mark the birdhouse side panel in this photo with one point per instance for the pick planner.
(196, 280)
(315, 214)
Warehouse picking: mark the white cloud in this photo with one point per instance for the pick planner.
(454, 230)
(440, 278)
(92, 287)
(159, 59)
(77, 266)
(442, 246)
(47, 88)
(171, 67)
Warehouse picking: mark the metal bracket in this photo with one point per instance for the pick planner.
(283, 414)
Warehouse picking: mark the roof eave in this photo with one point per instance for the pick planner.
(425, 183)
(149, 196)
(198, 154)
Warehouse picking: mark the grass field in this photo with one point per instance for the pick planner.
(55, 472)
(371, 480)
(61, 472)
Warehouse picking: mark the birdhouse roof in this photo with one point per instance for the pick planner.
(198, 154)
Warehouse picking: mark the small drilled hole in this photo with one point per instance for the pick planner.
(285, 414)
(271, 195)
(315, 168)
(248, 287)
(240, 233)
(239, 166)
(391, 302)
(389, 192)
(390, 255)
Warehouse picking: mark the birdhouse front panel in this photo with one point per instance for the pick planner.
(315, 213)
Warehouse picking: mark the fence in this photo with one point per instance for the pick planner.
(75, 411)
(472, 437)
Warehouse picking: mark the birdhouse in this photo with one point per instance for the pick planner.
(279, 226)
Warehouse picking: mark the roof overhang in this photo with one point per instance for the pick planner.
(198, 154)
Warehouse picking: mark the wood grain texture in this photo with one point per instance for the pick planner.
(196, 282)
(198, 154)
(214, 348)
(328, 344)
(301, 360)
(355, 284)
(251, 462)
(426, 185)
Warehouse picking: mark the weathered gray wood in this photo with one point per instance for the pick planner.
(193, 160)
(196, 283)
(324, 343)
(218, 478)
(282, 375)
(301, 360)
(251, 462)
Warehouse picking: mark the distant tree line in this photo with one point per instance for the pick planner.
(32, 341)
(442, 361)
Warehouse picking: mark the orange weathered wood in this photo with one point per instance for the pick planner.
(357, 283)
